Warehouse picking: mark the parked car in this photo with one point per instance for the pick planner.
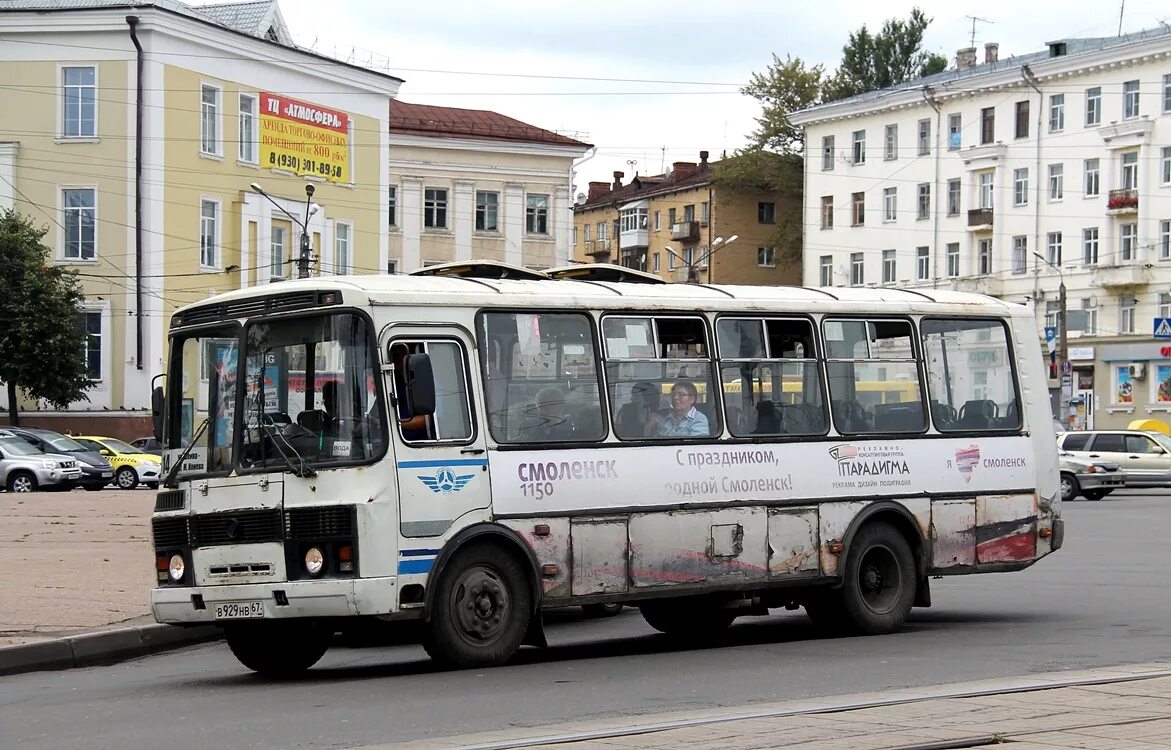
(148, 445)
(1144, 456)
(23, 468)
(131, 466)
(1091, 478)
(96, 471)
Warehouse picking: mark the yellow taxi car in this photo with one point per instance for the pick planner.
(131, 466)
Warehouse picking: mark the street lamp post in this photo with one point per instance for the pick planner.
(310, 208)
(693, 267)
(1062, 346)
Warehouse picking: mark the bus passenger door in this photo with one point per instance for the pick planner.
(440, 459)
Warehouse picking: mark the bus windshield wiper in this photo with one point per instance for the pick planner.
(299, 469)
(169, 480)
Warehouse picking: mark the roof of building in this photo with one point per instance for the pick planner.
(650, 186)
(967, 78)
(249, 17)
(430, 120)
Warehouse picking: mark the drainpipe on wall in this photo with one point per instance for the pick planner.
(929, 95)
(132, 22)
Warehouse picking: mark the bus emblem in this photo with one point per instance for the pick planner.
(446, 480)
(966, 460)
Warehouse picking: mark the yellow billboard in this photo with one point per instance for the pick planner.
(303, 138)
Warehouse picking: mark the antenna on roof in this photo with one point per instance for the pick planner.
(972, 39)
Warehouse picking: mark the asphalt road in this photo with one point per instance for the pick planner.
(1103, 600)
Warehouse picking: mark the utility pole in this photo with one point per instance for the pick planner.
(306, 256)
(1064, 378)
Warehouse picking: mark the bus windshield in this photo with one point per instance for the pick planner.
(202, 386)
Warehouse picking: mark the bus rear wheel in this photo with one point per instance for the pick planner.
(687, 619)
(279, 649)
(481, 609)
(878, 585)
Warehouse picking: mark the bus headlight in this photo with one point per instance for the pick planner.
(314, 562)
(177, 568)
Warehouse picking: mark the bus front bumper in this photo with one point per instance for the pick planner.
(277, 601)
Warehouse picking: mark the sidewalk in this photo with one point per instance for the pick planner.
(72, 563)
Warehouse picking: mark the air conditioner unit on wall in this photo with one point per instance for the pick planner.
(1138, 370)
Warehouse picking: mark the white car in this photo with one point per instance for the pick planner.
(23, 468)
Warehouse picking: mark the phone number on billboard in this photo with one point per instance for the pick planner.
(305, 166)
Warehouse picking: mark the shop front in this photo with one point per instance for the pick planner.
(1137, 380)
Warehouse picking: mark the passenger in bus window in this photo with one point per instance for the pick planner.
(684, 419)
(553, 423)
(637, 417)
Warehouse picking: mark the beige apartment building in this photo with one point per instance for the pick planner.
(468, 183)
(678, 226)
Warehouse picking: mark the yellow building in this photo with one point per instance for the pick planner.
(679, 225)
(135, 133)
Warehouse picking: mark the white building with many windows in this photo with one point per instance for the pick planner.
(1005, 178)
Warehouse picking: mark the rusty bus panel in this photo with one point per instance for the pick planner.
(953, 533)
(717, 546)
(1006, 528)
(835, 518)
(792, 541)
(549, 540)
(599, 556)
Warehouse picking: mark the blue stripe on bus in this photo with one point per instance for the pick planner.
(417, 552)
(406, 567)
(447, 462)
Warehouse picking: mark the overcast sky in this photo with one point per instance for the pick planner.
(543, 62)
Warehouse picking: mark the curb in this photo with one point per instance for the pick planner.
(101, 647)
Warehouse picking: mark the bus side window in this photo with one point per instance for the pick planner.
(873, 376)
(969, 375)
(452, 420)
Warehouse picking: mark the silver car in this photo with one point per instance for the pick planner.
(1093, 479)
(23, 468)
(1145, 456)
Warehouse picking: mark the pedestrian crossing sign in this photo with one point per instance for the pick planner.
(1163, 328)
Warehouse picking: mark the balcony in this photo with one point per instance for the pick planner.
(598, 248)
(992, 286)
(1122, 202)
(631, 238)
(685, 231)
(980, 220)
(1123, 275)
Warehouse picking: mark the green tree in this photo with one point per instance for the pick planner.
(41, 343)
(892, 56)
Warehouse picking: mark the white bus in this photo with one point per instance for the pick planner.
(472, 444)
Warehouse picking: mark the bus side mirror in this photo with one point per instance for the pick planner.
(420, 385)
(156, 411)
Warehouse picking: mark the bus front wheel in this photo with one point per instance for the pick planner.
(280, 649)
(878, 585)
(481, 609)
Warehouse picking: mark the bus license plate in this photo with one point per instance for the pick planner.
(239, 610)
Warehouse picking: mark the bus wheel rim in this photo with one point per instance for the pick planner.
(879, 581)
(482, 605)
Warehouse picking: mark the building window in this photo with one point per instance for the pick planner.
(1090, 246)
(888, 266)
(1020, 251)
(1053, 248)
(575, 236)
(1128, 236)
(857, 270)
(632, 219)
(602, 229)
(986, 189)
(954, 130)
(890, 202)
(922, 263)
(1020, 187)
(1093, 106)
(766, 257)
(1130, 170)
(1056, 182)
(1090, 305)
(91, 347)
(1129, 100)
(1092, 179)
(689, 213)
(827, 212)
(704, 214)
(924, 137)
(209, 232)
(487, 211)
(247, 128)
(392, 207)
(859, 147)
(825, 269)
(79, 111)
(923, 202)
(1056, 113)
(1165, 166)
(953, 197)
(891, 143)
(585, 233)
(1126, 314)
(655, 262)
(984, 257)
(1021, 128)
(827, 153)
(277, 250)
(987, 125)
(1165, 243)
(766, 213)
(392, 267)
(1052, 309)
(81, 216)
(671, 215)
(658, 220)
(342, 258)
(537, 214)
(209, 123)
(1167, 93)
(953, 259)
(1164, 310)
(857, 209)
(435, 208)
